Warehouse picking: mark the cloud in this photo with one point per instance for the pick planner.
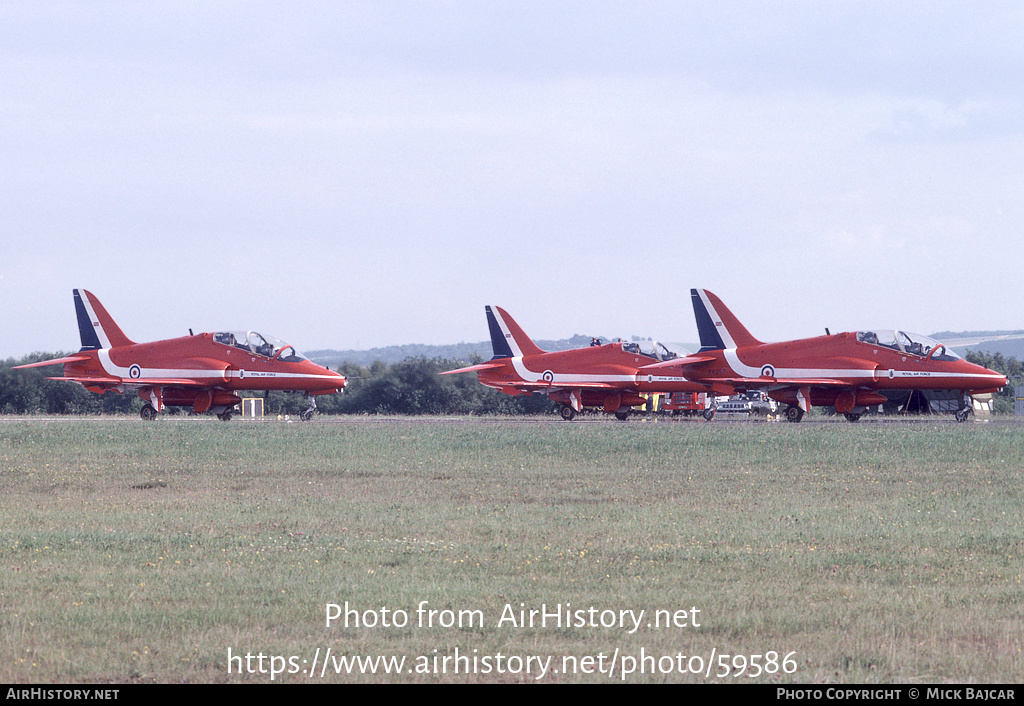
(371, 164)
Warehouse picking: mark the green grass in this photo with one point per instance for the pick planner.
(869, 553)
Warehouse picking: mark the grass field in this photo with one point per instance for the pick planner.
(190, 550)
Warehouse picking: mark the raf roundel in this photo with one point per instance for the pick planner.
(767, 371)
(135, 372)
(548, 376)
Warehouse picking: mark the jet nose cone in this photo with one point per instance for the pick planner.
(997, 379)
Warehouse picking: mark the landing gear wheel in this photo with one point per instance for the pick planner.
(709, 414)
(852, 416)
(794, 414)
(568, 413)
(622, 416)
(961, 414)
(307, 414)
(148, 412)
(225, 416)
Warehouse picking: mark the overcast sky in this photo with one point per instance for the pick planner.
(361, 174)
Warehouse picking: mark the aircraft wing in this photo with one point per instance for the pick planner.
(778, 382)
(111, 381)
(564, 386)
(812, 382)
(176, 382)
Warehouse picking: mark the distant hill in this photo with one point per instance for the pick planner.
(1009, 343)
(453, 351)
(1010, 348)
(984, 335)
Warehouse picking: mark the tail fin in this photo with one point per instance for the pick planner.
(717, 326)
(95, 326)
(507, 339)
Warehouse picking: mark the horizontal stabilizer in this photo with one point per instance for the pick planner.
(694, 359)
(678, 365)
(475, 368)
(55, 361)
(99, 381)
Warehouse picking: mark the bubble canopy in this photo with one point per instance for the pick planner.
(259, 344)
(906, 342)
(654, 349)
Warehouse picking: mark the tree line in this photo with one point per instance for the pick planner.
(1012, 368)
(413, 386)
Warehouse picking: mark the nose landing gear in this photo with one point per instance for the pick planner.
(308, 413)
(965, 408)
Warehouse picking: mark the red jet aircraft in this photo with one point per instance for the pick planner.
(846, 369)
(602, 376)
(200, 371)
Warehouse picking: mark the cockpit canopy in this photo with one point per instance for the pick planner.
(905, 342)
(260, 344)
(655, 350)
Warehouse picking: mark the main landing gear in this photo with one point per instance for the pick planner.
(149, 413)
(568, 413)
(795, 414)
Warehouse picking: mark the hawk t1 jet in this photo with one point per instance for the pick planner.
(202, 371)
(848, 370)
(601, 375)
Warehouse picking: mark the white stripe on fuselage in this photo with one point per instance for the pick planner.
(557, 379)
(564, 379)
(112, 368)
(741, 369)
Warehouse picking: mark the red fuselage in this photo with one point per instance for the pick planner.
(600, 376)
(199, 361)
(203, 371)
(829, 367)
